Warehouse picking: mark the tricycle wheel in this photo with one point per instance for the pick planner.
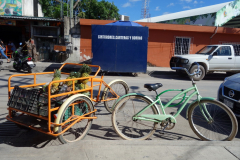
(76, 106)
(119, 87)
(29, 70)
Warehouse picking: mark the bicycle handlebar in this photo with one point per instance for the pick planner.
(189, 74)
(103, 72)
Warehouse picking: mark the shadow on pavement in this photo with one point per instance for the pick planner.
(26, 138)
(51, 67)
(173, 136)
(109, 133)
(173, 75)
(75, 68)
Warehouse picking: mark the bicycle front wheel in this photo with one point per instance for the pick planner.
(215, 123)
(120, 88)
(122, 118)
(76, 107)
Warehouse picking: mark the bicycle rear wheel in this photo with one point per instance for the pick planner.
(120, 88)
(222, 127)
(122, 118)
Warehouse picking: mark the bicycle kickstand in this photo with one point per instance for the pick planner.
(162, 131)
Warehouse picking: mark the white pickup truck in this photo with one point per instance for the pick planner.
(211, 58)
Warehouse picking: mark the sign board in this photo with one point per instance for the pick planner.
(60, 48)
(204, 20)
(11, 7)
(120, 48)
(227, 13)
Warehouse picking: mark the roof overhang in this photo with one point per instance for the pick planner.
(30, 18)
(233, 22)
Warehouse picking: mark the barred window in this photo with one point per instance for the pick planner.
(182, 45)
(236, 49)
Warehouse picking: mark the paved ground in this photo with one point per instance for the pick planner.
(127, 150)
(175, 145)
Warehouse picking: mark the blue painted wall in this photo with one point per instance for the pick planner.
(120, 48)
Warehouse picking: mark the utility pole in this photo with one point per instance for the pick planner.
(71, 8)
(61, 13)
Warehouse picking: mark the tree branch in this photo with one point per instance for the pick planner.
(59, 1)
(75, 5)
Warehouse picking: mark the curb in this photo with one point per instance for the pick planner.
(44, 66)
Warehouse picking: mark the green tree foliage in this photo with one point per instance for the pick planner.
(94, 9)
(90, 9)
(47, 7)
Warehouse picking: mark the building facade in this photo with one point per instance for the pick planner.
(167, 40)
(21, 20)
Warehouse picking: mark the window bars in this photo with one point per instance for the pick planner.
(182, 45)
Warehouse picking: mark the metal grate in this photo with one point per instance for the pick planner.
(236, 49)
(182, 45)
(235, 96)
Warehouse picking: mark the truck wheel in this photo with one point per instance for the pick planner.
(201, 73)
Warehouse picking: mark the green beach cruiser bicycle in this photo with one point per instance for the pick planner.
(136, 116)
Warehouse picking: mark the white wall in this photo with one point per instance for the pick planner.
(40, 13)
(27, 8)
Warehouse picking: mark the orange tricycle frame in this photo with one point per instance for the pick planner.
(74, 118)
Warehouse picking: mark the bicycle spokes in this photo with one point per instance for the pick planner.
(204, 110)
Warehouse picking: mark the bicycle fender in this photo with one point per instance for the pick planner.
(110, 83)
(136, 94)
(203, 98)
(63, 106)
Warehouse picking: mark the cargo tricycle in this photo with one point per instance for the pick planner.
(66, 114)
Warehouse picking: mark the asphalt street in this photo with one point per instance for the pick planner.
(102, 132)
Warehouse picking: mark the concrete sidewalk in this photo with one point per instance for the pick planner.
(128, 150)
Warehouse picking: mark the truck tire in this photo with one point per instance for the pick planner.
(201, 73)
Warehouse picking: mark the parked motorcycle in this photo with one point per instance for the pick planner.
(22, 61)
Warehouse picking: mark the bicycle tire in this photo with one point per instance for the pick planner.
(79, 130)
(220, 114)
(123, 110)
(120, 88)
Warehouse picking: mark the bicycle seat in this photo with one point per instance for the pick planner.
(153, 87)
